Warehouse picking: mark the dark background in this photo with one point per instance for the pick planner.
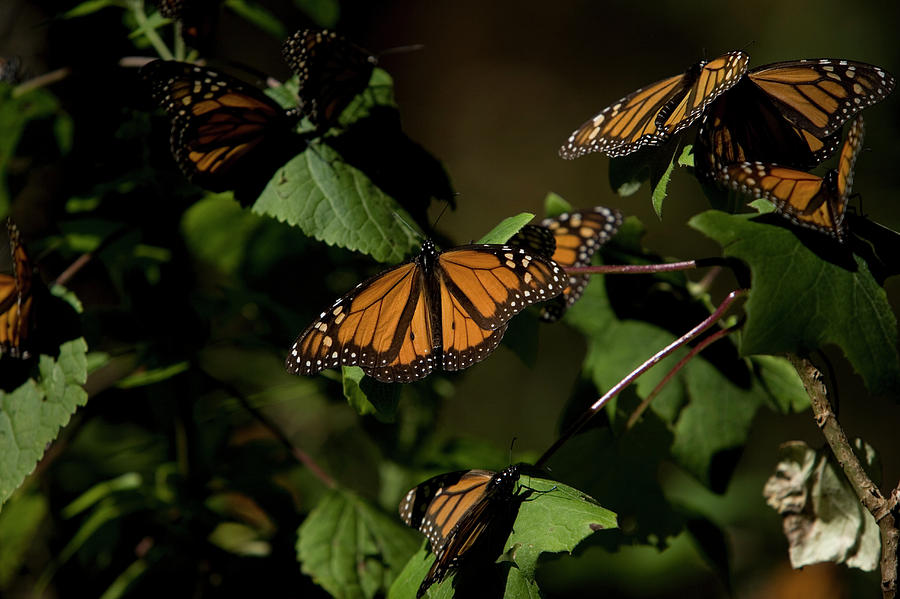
(496, 89)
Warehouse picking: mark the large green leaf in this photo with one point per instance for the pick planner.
(799, 301)
(337, 203)
(351, 548)
(31, 416)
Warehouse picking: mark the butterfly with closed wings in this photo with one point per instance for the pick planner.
(576, 236)
(805, 199)
(454, 511)
(652, 114)
(787, 113)
(441, 310)
(15, 298)
(222, 129)
(331, 71)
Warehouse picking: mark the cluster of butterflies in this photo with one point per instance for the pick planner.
(223, 127)
(762, 129)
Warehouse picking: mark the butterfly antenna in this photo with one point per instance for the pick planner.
(402, 49)
(440, 214)
(511, 445)
(408, 226)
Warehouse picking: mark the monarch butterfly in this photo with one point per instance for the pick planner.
(441, 310)
(15, 298)
(221, 127)
(787, 113)
(650, 115)
(577, 235)
(331, 72)
(807, 200)
(453, 511)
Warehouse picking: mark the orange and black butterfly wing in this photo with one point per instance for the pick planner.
(650, 115)
(480, 288)
(743, 125)
(578, 235)
(331, 72)
(383, 326)
(453, 511)
(820, 95)
(220, 126)
(537, 238)
(847, 161)
(16, 299)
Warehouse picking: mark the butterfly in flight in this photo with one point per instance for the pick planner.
(331, 72)
(223, 130)
(454, 510)
(787, 113)
(805, 199)
(576, 236)
(15, 298)
(652, 114)
(444, 310)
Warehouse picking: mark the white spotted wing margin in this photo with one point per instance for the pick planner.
(441, 310)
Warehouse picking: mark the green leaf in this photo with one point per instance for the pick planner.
(90, 7)
(660, 188)
(120, 585)
(336, 203)
(352, 549)
(781, 380)
(153, 375)
(239, 539)
(218, 231)
(554, 205)
(126, 482)
(552, 518)
(324, 13)
(259, 16)
(824, 520)
(507, 228)
(368, 396)
(20, 520)
(31, 416)
(800, 302)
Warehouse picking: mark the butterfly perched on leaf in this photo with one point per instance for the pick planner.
(805, 199)
(16, 298)
(445, 310)
(575, 237)
(652, 114)
(455, 511)
(331, 71)
(787, 113)
(223, 130)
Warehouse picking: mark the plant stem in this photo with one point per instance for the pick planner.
(883, 510)
(630, 378)
(158, 44)
(641, 269)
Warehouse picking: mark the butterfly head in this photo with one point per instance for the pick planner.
(503, 483)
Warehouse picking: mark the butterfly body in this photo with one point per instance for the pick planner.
(221, 127)
(454, 511)
(16, 299)
(652, 114)
(805, 199)
(441, 310)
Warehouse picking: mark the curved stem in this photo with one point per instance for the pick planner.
(630, 378)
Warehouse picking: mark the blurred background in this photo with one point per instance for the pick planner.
(497, 87)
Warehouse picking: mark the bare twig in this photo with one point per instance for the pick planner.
(633, 269)
(883, 510)
(632, 420)
(652, 361)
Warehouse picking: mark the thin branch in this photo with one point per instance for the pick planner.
(635, 416)
(41, 81)
(618, 387)
(632, 269)
(301, 456)
(883, 510)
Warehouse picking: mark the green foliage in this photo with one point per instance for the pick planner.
(830, 297)
(350, 548)
(31, 415)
